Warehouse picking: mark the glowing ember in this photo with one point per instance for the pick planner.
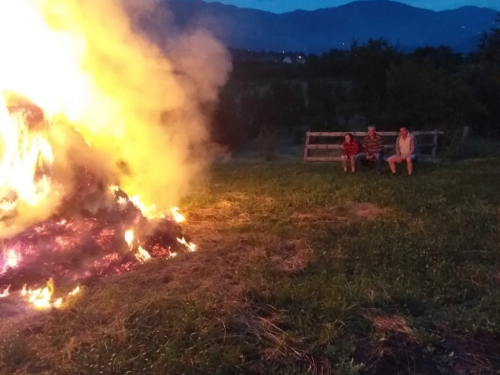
(142, 255)
(74, 291)
(191, 246)
(122, 200)
(5, 292)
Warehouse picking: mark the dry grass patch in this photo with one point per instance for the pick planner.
(230, 212)
(345, 213)
(383, 323)
(261, 325)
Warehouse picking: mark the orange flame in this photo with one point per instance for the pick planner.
(177, 216)
(129, 237)
(142, 255)
(23, 152)
(191, 246)
(11, 260)
(41, 298)
(5, 293)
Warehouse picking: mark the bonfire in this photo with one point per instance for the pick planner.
(68, 140)
(98, 231)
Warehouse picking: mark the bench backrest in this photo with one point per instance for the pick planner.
(427, 142)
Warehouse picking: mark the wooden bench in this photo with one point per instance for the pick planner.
(333, 151)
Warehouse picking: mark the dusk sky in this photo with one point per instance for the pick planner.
(280, 6)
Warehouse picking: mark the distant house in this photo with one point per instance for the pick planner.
(297, 59)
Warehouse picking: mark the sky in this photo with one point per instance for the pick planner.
(280, 6)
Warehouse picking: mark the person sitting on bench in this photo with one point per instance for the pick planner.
(350, 151)
(373, 148)
(406, 151)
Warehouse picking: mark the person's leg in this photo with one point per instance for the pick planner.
(344, 163)
(409, 164)
(378, 161)
(359, 160)
(410, 161)
(392, 163)
(353, 163)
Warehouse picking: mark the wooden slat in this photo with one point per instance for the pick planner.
(336, 147)
(358, 134)
(341, 134)
(427, 145)
(434, 132)
(324, 147)
(338, 158)
(339, 146)
(325, 158)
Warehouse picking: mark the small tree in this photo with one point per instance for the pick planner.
(422, 95)
(369, 64)
(488, 85)
(489, 47)
(267, 141)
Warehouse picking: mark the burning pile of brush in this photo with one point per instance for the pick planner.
(84, 239)
(70, 250)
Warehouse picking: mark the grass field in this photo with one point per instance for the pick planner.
(301, 269)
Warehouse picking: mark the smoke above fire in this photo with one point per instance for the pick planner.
(103, 96)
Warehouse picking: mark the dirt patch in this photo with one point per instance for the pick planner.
(347, 212)
(400, 353)
(396, 354)
(475, 355)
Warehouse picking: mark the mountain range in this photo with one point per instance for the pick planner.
(335, 28)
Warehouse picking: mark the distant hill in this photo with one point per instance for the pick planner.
(324, 29)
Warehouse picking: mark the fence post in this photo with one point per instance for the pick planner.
(465, 134)
(434, 145)
(306, 150)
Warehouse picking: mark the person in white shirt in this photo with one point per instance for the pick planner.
(406, 151)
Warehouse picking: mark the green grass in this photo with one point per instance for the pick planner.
(296, 275)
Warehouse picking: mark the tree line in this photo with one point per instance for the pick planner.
(371, 83)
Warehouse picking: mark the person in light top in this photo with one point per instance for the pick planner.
(350, 150)
(406, 151)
